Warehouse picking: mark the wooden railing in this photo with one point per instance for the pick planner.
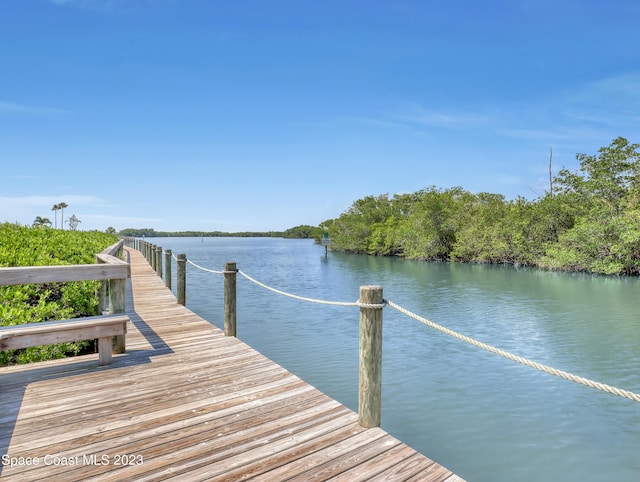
(109, 269)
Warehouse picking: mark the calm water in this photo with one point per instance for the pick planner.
(484, 417)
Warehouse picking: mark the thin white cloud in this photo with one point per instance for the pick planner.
(369, 121)
(509, 180)
(608, 101)
(24, 209)
(627, 86)
(416, 113)
(597, 110)
(601, 109)
(121, 221)
(349, 121)
(552, 133)
(13, 108)
(104, 6)
(82, 3)
(47, 201)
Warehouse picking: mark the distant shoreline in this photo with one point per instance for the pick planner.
(298, 232)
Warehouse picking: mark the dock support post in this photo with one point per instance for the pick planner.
(102, 292)
(182, 278)
(102, 297)
(370, 372)
(159, 260)
(230, 299)
(167, 268)
(117, 305)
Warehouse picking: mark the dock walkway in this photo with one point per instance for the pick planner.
(185, 403)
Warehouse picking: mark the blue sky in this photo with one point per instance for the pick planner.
(261, 115)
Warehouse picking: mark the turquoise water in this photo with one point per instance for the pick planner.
(484, 417)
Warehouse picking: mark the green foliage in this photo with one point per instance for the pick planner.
(606, 179)
(303, 231)
(151, 233)
(609, 245)
(23, 246)
(591, 224)
(431, 226)
(41, 222)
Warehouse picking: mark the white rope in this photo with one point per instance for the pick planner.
(313, 300)
(205, 269)
(290, 295)
(538, 366)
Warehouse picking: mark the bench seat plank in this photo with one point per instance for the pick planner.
(49, 332)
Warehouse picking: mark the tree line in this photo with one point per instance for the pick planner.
(298, 232)
(589, 220)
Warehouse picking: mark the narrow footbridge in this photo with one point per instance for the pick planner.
(185, 402)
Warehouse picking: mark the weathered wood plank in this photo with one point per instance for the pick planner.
(52, 274)
(377, 463)
(110, 259)
(49, 332)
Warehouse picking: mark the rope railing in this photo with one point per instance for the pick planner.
(524, 361)
(202, 268)
(312, 300)
(497, 351)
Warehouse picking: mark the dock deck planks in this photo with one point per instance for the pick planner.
(183, 403)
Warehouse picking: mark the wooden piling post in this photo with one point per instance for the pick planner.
(102, 297)
(102, 292)
(370, 372)
(167, 268)
(117, 305)
(182, 278)
(159, 261)
(230, 299)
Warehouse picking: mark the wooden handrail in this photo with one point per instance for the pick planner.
(109, 268)
(114, 248)
(50, 274)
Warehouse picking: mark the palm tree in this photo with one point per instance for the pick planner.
(62, 206)
(73, 222)
(55, 209)
(41, 222)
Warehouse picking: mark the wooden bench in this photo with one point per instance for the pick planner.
(50, 332)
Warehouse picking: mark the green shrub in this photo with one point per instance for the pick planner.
(25, 246)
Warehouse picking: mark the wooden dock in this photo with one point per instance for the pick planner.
(185, 403)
